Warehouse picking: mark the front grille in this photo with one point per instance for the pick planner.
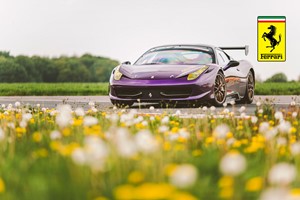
(159, 92)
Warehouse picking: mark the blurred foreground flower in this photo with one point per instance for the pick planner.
(2, 134)
(282, 174)
(64, 117)
(90, 121)
(184, 176)
(146, 142)
(93, 153)
(275, 194)
(79, 112)
(233, 164)
(221, 131)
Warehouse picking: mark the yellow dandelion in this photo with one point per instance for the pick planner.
(181, 139)
(237, 144)
(154, 191)
(77, 122)
(124, 191)
(240, 127)
(31, 121)
(167, 146)
(66, 132)
(169, 169)
(293, 130)
(229, 135)
(295, 192)
(226, 181)
(183, 196)
(2, 185)
(174, 129)
(20, 130)
(55, 145)
(18, 116)
(139, 126)
(254, 184)
(209, 140)
(226, 193)
(37, 137)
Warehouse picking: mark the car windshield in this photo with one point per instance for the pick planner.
(176, 57)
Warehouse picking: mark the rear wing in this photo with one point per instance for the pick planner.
(246, 48)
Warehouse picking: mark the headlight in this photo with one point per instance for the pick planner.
(196, 74)
(117, 74)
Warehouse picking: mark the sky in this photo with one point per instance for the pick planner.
(124, 29)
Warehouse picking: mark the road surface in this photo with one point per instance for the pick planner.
(103, 103)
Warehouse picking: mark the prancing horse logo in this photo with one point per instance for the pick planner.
(270, 37)
(150, 94)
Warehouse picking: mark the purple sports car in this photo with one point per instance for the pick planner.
(183, 73)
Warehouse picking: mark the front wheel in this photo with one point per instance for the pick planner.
(122, 104)
(220, 90)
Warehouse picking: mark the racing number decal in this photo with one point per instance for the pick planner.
(271, 34)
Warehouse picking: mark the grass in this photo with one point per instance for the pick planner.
(123, 154)
(53, 89)
(290, 88)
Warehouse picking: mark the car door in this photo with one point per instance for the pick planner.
(232, 74)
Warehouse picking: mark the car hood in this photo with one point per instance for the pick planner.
(155, 72)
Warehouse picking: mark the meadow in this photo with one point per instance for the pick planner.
(65, 89)
(52, 89)
(124, 154)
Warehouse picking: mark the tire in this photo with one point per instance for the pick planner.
(122, 104)
(220, 90)
(249, 93)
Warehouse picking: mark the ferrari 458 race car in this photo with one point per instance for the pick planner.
(183, 73)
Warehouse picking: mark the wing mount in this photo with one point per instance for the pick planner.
(245, 48)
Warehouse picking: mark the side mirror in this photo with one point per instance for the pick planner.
(232, 63)
(126, 63)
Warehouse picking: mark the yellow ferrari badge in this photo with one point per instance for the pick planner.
(271, 34)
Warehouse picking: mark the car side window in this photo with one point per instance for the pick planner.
(222, 58)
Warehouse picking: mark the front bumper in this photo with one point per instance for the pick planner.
(162, 90)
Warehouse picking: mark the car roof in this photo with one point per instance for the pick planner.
(191, 46)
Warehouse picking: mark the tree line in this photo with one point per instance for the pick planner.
(86, 68)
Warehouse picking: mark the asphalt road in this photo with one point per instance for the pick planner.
(103, 103)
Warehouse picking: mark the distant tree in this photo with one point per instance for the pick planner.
(71, 70)
(32, 70)
(5, 54)
(279, 77)
(103, 69)
(89, 62)
(46, 68)
(12, 72)
(87, 68)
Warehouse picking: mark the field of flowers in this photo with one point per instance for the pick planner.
(70, 153)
